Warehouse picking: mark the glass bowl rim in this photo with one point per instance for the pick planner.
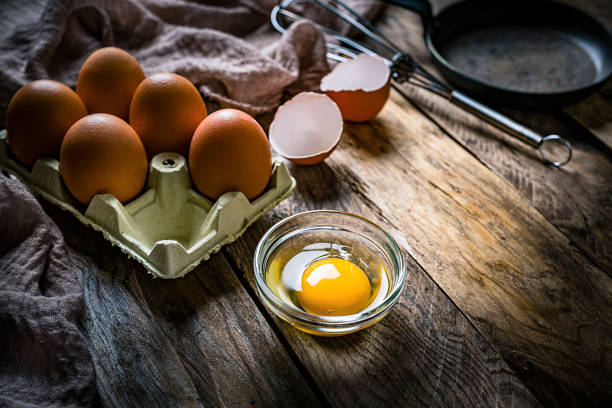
(330, 321)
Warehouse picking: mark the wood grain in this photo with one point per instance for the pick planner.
(425, 353)
(519, 247)
(600, 10)
(532, 294)
(577, 199)
(196, 341)
(595, 113)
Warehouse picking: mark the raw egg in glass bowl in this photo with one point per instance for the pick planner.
(328, 273)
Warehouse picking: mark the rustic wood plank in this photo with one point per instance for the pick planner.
(577, 199)
(196, 341)
(600, 10)
(425, 353)
(595, 113)
(533, 295)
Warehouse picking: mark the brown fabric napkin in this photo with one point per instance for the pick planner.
(227, 49)
(43, 356)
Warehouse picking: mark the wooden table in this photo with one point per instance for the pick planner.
(508, 298)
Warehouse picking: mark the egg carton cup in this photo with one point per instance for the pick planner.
(170, 228)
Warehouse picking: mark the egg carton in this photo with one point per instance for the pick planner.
(170, 228)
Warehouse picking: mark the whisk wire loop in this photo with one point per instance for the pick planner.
(404, 69)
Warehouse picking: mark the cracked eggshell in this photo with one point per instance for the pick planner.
(307, 128)
(359, 86)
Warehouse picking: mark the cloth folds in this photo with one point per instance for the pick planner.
(227, 49)
(43, 356)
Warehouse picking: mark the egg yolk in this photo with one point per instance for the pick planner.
(334, 287)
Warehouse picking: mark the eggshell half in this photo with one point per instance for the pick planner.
(307, 128)
(359, 86)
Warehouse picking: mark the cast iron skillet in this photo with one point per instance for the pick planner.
(534, 53)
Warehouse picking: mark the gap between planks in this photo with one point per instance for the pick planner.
(277, 332)
(523, 220)
(442, 129)
(576, 218)
(367, 202)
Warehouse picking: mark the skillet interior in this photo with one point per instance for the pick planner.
(520, 48)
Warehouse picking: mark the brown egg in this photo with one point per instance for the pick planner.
(230, 152)
(101, 153)
(107, 81)
(165, 112)
(37, 119)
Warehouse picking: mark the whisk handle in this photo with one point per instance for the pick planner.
(514, 128)
(419, 6)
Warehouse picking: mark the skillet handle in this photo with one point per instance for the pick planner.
(514, 128)
(422, 7)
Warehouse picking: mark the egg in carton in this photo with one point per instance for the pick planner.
(170, 228)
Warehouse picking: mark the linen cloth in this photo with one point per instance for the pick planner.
(227, 49)
(43, 356)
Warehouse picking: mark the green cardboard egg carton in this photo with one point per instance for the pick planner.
(170, 228)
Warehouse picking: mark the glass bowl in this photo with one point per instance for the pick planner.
(363, 238)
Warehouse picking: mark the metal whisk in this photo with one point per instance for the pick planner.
(404, 69)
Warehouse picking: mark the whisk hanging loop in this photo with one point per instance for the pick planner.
(404, 69)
